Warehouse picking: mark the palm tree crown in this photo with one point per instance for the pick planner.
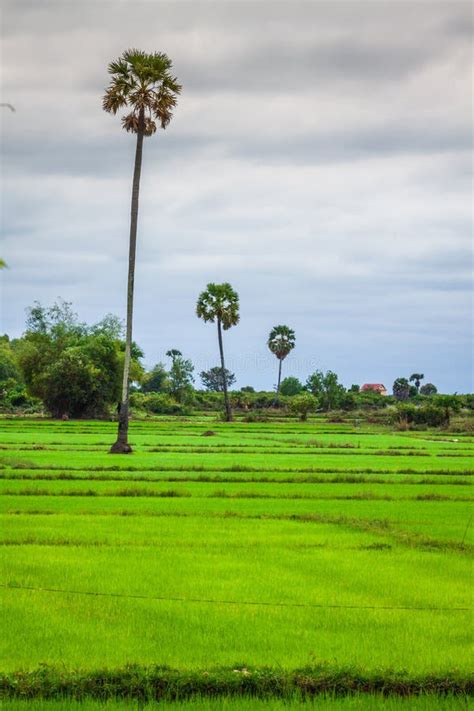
(143, 83)
(219, 302)
(416, 378)
(281, 341)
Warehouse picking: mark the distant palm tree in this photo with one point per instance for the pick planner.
(416, 378)
(219, 302)
(143, 84)
(281, 341)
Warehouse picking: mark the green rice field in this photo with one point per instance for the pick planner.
(263, 546)
(350, 703)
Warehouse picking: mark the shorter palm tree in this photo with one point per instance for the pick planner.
(416, 378)
(281, 342)
(220, 303)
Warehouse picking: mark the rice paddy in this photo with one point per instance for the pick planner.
(285, 546)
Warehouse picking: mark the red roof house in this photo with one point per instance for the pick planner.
(374, 388)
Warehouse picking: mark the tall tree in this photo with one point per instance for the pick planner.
(401, 389)
(143, 84)
(326, 388)
(220, 303)
(416, 378)
(180, 376)
(213, 379)
(281, 342)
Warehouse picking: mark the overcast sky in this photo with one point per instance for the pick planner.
(319, 160)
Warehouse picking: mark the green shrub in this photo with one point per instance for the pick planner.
(158, 404)
(428, 415)
(302, 405)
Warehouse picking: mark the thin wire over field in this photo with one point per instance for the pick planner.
(262, 603)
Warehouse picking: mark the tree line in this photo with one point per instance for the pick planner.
(75, 370)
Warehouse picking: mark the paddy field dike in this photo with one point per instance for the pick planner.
(243, 565)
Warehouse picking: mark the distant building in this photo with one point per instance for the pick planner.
(374, 388)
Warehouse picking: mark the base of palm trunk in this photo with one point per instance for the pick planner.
(121, 445)
(120, 448)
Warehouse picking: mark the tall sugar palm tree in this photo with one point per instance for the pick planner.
(281, 341)
(141, 84)
(220, 303)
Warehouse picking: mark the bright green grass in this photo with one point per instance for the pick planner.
(228, 559)
(351, 703)
(288, 461)
(388, 490)
(439, 520)
(368, 544)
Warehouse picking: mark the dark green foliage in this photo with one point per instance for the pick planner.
(247, 389)
(9, 369)
(158, 404)
(428, 389)
(156, 381)
(416, 378)
(180, 377)
(75, 370)
(429, 415)
(468, 401)
(160, 682)
(448, 403)
(326, 388)
(13, 394)
(291, 386)
(401, 389)
(213, 379)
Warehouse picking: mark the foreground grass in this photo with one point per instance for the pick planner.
(279, 544)
(357, 702)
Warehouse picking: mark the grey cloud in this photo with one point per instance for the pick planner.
(318, 160)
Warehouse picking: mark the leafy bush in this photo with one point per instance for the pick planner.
(14, 397)
(302, 405)
(428, 389)
(158, 404)
(255, 416)
(429, 416)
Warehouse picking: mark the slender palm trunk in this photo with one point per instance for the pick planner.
(279, 380)
(228, 411)
(121, 445)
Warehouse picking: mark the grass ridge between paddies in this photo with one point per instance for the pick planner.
(156, 683)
